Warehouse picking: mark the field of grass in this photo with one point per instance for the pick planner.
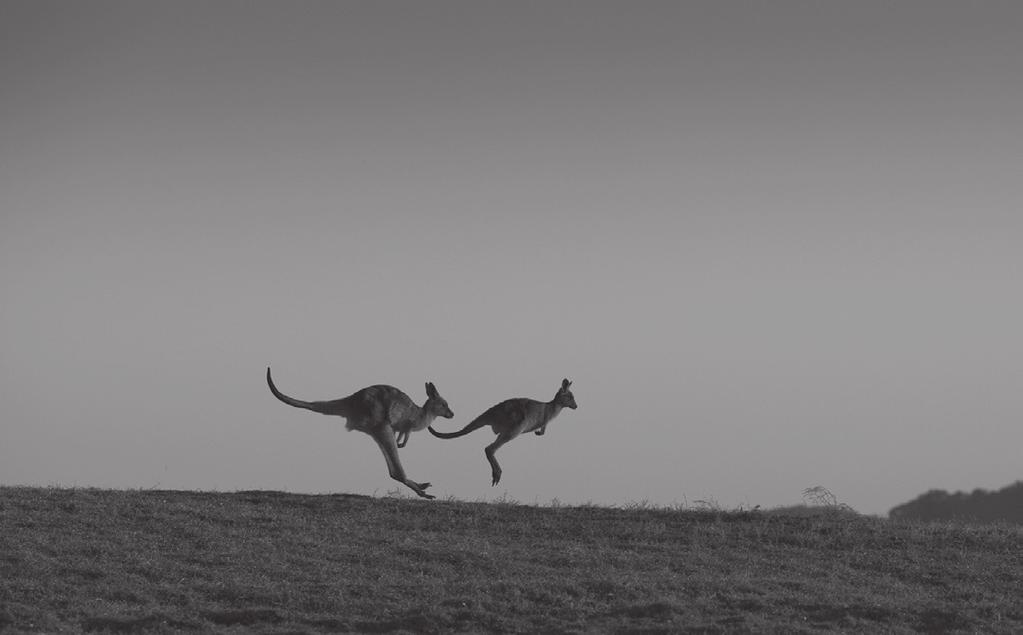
(135, 561)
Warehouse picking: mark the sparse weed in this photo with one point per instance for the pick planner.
(506, 499)
(820, 496)
(707, 505)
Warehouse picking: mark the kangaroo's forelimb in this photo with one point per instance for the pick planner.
(402, 438)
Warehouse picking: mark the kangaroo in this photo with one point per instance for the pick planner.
(384, 413)
(511, 418)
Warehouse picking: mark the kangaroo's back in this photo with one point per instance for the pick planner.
(379, 404)
(518, 411)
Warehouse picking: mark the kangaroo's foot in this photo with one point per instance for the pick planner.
(420, 489)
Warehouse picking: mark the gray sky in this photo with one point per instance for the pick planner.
(774, 245)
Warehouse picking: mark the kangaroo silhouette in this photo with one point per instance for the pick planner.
(384, 413)
(512, 417)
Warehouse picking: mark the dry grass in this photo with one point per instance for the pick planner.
(136, 561)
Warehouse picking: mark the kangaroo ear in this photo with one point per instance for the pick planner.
(431, 390)
(565, 384)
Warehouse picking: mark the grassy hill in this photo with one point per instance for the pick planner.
(131, 561)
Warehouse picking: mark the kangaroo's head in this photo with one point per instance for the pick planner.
(565, 398)
(435, 404)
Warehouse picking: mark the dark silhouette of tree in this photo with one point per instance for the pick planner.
(1004, 505)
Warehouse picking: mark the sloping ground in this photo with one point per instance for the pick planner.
(138, 561)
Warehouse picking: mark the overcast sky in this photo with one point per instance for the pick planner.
(774, 245)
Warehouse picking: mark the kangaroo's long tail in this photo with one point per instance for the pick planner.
(476, 424)
(323, 407)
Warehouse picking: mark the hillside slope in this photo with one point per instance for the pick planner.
(133, 561)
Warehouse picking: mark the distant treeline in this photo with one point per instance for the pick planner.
(1004, 505)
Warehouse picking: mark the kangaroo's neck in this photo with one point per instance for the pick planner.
(422, 419)
(550, 410)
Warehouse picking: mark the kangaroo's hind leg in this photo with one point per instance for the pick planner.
(384, 437)
(491, 450)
